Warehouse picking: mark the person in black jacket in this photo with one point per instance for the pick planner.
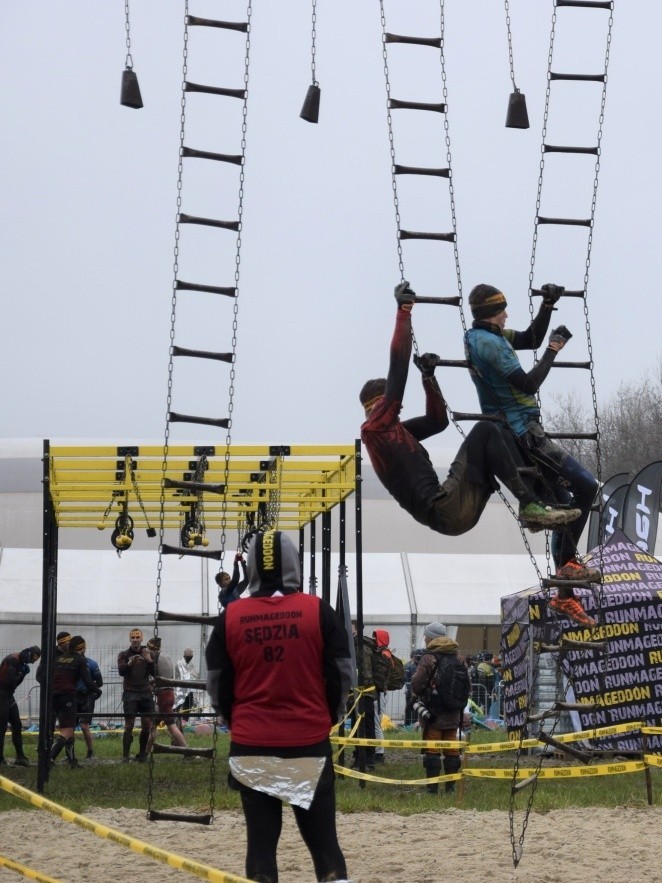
(13, 669)
(136, 667)
(70, 668)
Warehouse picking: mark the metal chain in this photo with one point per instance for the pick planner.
(173, 316)
(313, 46)
(235, 310)
(136, 489)
(391, 142)
(510, 48)
(451, 188)
(128, 63)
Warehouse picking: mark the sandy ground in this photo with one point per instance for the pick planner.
(564, 846)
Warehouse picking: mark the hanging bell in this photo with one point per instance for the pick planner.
(517, 117)
(311, 105)
(130, 94)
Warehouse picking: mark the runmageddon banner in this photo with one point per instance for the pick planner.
(623, 679)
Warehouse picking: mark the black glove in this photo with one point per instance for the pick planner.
(551, 293)
(403, 294)
(25, 669)
(560, 336)
(98, 695)
(426, 363)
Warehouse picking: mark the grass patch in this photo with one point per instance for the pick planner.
(185, 784)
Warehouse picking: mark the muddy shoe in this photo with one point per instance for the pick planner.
(539, 515)
(22, 761)
(573, 609)
(575, 570)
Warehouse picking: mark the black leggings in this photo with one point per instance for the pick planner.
(317, 825)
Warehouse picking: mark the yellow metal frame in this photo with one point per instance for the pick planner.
(305, 480)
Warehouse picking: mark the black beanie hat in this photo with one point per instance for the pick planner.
(272, 563)
(486, 301)
(77, 643)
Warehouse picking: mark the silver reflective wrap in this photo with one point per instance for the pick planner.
(293, 779)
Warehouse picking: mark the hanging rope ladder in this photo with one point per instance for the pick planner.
(192, 486)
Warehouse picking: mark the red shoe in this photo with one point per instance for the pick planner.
(575, 570)
(573, 609)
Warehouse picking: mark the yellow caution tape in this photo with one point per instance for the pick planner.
(653, 759)
(356, 774)
(27, 872)
(603, 769)
(600, 732)
(652, 731)
(397, 743)
(496, 747)
(160, 855)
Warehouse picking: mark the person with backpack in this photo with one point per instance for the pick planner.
(441, 686)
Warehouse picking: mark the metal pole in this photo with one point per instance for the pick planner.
(48, 620)
(326, 556)
(312, 579)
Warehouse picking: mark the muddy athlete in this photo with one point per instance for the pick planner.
(279, 671)
(70, 668)
(13, 670)
(403, 465)
(505, 388)
(136, 667)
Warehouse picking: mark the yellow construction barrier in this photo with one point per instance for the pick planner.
(160, 855)
(25, 871)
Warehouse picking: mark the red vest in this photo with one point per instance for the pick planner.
(276, 648)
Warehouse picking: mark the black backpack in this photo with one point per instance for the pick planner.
(450, 686)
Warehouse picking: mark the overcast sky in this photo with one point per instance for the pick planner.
(89, 193)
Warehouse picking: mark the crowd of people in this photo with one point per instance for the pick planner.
(77, 684)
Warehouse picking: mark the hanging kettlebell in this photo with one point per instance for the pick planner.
(311, 105)
(517, 116)
(130, 94)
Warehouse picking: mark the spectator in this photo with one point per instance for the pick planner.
(85, 701)
(442, 726)
(165, 696)
(410, 668)
(136, 667)
(70, 668)
(13, 669)
(231, 588)
(279, 673)
(368, 704)
(186, 671)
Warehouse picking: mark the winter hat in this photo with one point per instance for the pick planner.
(434, 630)
(154, 644)
(30, 654)
(272, 563)
(486, 301)
(63, 638)
(76, 643)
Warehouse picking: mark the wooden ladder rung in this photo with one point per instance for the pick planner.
(155, 816)
(182, 751)
(435, 42)
(197, 21)
(227, 290)
(221, 422)
(199, 618)
(195, 553)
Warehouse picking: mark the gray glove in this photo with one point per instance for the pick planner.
(403, 294)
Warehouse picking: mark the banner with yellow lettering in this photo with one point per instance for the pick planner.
(621, 678)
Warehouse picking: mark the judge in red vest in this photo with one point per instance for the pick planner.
(279, 672)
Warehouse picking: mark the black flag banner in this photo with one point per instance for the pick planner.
(642, 506)
(608, 510)
(623, 681)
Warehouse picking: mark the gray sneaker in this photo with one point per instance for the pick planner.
(539, 515)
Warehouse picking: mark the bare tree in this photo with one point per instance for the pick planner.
(630, 426)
